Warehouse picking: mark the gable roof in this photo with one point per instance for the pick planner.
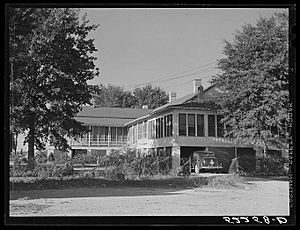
(105, 116)
(209, 95)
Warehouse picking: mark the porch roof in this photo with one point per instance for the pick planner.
(105, 116)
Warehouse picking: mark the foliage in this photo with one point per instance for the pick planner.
(43, 168)
(127, 163)
(271, 165)
(84, 159)
(50, 56)
(254, 82)
(112, 96)
(247, 163)
(151, 96)
(116, 96)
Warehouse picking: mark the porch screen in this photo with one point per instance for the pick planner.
(103, 133)
(211, 126)
(200, 125)
(168, 125)
(191, 124)
(113, 133)
(119, 134)
(95, 132)
(182, 124)
(220, 127)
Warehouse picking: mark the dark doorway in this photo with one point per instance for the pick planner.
(186, 154)
(247, 161)
(78, 151)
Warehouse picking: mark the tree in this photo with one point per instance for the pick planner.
(254, 82)
(112, 96)
(51, 62)
(151, 96)
(116, 96)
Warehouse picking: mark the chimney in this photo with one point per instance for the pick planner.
(172, 96)
(196, 83)
(198, 88)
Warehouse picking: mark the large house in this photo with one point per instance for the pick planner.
(176, 129)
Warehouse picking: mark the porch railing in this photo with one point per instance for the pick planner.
(99, 142)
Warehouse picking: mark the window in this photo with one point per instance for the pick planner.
(165, 125)
(125, 133)
(211, 126)
(157, 128)
(119, 133)
(134, 129)
(200, 125)
(161, 127)
(113, 133)
(168, 125)
(145, 129)
(220, 127)
(151, 127)
(191, 124)
(95, 131)
(103, 133)
(182, 124)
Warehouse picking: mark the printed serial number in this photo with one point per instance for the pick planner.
(261, 220)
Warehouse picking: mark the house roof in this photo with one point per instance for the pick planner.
(209, 95)
(105, 116)
(108, 116)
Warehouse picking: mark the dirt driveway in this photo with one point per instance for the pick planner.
(255, 197)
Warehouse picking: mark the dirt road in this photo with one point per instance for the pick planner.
(256, 197)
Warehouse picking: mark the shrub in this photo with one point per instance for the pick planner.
(231, 180)
(84, 159)
(271, 166)
(126, 163)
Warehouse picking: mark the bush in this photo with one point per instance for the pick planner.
(84, 159)
(43, 169)
(271, 166)
(126, 163)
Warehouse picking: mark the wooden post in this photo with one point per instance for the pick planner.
(109, 137)
(235, 152)
(90, 129)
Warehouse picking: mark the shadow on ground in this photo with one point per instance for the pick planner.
(267, 178)
(93, 192)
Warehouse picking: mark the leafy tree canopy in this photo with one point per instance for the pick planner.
(116, 96)
(151, 96)
(112, 96)
(51, 61)
(254, 80)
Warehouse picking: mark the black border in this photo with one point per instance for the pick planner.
(143, 220)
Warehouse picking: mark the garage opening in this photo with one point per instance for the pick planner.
(186, 154)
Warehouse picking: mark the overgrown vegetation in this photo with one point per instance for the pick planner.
(272, 166)
(127, 165)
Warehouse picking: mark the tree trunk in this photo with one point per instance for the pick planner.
(16, 143)
(265, 151)
(30, 164)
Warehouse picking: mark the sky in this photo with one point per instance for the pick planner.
(166, 47)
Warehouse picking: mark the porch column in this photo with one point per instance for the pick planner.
(90, 128)
(235, 152)
(175, 156)
(109, 136)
